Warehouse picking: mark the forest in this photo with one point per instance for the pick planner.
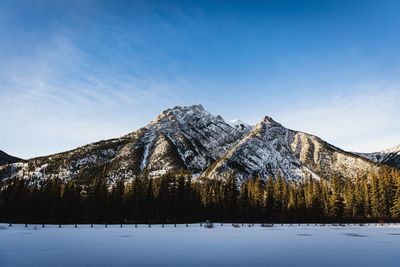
(177, 198)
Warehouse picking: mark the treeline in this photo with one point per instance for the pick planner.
(175, 198)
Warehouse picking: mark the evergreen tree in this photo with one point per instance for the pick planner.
(269, 199)
(278, 197)
(231, 197)
(336, 199)
(377, 208)
(395, 209)
(292, 202)
(301, 202)
(244, 202)
(116, 203)
(367, 198)
(176, 198)
(149, 201)
(349, 199)
(359, 196)
(257, 198)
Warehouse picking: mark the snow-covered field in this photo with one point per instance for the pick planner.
(198, 246)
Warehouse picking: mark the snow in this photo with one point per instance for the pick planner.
(149, 142)
(191, 138)
(240, 125)
(197, 246)
(382, 156)
(269, 149)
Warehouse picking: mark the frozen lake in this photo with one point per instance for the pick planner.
(198, 246)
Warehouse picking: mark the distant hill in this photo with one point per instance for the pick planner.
(7, 159)
(389, 156)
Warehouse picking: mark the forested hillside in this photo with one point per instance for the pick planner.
(174, 198)
(189, 165)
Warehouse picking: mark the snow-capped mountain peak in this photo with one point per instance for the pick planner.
(268, 119)
(270, 149)
(190, 138)
(394, 150)
(240, 125)
(389, 156)
(179, 113)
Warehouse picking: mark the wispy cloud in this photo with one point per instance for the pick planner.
(79, 71)
(52, 101)
(366, 120)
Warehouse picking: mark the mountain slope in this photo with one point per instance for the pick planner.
(182, 138)
(193, 140)
(389, 156)
(240, 125)
(7, 159)
(270, 149)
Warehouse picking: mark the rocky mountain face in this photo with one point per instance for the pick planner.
(390, 156)
(193, 140)
(7, 159)
(270, 149)
(188, 138)
(182, 138)
(240, 125)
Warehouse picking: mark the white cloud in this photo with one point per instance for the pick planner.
(365, 120)
(52, 101)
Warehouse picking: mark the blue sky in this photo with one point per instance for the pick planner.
(75, 72)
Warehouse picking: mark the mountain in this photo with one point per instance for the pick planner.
(7, 159)
(188, 138)
(191, 139)
(270, 148)
(389, 156)
(240, 125)
(182, 138)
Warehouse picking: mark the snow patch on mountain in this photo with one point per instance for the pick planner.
(271, 149)
(181, 138)
(191, 139)
(240, 125)
(389, 156)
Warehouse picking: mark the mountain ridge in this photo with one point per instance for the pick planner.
(190, 139)
(271, 148)
(389, 156)
(7, 159)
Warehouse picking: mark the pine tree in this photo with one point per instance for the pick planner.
(285, 198)
(181, 200)
(244, 202)
(231, 197)
(175, 197)
(318, 200)
(257, 197)
(149, 199)
(349, 198)
(278, 197)
(97, 201)
(116, 202)
(308, 195)
(395, 209)
(269, 199)
(359, 196)
(377, 208)
(367, 198)
(325, 199)
(336, 199)
(301, 202)
(292, 201)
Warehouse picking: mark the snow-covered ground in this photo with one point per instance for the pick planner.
(198, 246)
